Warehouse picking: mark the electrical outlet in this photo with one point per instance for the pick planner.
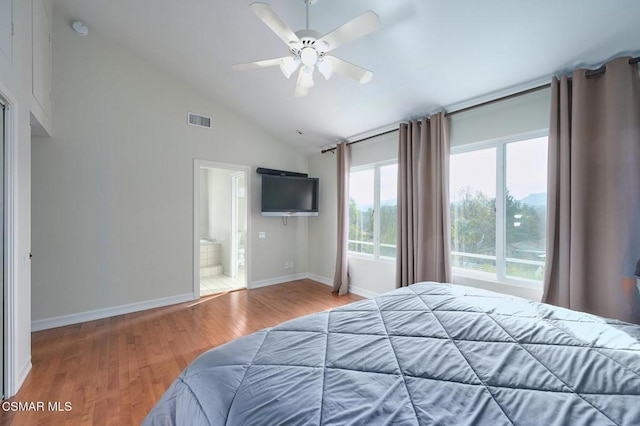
(286, 265)
(262, 235)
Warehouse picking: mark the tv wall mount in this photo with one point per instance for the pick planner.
(274, 172)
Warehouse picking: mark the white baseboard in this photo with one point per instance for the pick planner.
(47, 323)
(320, 279)
(44, 324)
(278, 280)
(363, 292)
(352, 289)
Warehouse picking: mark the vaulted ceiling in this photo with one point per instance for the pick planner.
(427, 55)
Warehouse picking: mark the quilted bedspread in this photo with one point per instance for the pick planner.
(425, 354)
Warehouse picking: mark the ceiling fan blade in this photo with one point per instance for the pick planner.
(357, 27)
(273, 21)
(258, 64)
(347, 69)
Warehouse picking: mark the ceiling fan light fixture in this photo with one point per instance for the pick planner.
(306, 77)
(288, 66)
(326, 68)
(366, 77)
(309, 56)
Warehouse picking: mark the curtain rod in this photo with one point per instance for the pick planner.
(448, 114)
(360, 140)
(501, 98)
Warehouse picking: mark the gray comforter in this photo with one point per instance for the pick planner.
(426, 354)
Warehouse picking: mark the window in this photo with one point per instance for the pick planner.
(498, 209)
(372, 210)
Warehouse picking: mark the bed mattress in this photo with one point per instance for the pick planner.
(425, 354)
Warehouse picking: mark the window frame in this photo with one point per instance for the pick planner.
(500, 144)
(376, 166)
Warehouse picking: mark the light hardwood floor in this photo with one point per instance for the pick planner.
(112, 371)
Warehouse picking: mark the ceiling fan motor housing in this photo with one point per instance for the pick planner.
(308, 39)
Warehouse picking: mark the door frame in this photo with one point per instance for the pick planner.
(10, 296)
(197, 165)
(234, 221)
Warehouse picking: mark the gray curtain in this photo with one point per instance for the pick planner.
(593, 229)
(423, 202)
(341, 275)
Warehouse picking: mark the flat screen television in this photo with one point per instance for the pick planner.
(289, 196)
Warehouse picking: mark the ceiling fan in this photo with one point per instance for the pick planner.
(308, 48)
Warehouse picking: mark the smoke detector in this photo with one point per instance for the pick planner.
(80, 28)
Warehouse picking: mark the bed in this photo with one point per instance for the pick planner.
(429, 353)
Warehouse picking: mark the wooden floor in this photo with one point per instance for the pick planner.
(212, 284)
(112, 371)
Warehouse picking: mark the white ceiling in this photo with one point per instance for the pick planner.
(428, 54)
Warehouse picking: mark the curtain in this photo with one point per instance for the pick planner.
(423, 202)
(341, 275)
(593, 197)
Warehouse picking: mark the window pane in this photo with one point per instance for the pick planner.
(388, 209)
(473, 213)
(361, 186)
(526, 206)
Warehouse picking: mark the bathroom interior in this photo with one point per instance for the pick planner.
(222, 229)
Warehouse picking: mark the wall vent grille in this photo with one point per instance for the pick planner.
(198, 120)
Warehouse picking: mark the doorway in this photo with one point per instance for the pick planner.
(221, 227)
(11, 374)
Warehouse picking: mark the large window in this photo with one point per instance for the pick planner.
(498, 209)
(372, 210)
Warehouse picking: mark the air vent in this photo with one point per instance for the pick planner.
(198, 120)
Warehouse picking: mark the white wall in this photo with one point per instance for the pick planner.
(322, 228)
(113, 189)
